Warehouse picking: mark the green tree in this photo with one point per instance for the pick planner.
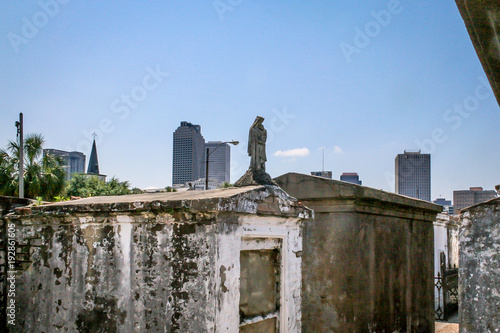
(137, 190)
(91, 186)
(44, 175)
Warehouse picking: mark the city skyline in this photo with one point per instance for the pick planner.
(315, 71)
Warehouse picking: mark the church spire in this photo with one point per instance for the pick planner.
(93, 163)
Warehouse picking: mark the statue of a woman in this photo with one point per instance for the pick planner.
(256, 173)
(257, 137)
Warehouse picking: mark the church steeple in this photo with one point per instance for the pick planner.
(93, 163)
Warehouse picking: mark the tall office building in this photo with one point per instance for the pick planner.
(189, 153)
(351, 177)
(219, 161)
(413, 175)
(74, 161)
(472, 196)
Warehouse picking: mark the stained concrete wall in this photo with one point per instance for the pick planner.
(368, 258)
(150, 263)
(479, 282)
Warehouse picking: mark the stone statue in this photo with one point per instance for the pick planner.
(256, 173)
(257, 145)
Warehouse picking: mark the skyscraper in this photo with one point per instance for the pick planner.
(220, 161)
(413, 175)
(74, 161)
(188, 159)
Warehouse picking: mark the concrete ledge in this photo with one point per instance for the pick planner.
(7, 203)
(297, 184)
(265, 200)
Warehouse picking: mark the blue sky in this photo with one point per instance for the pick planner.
(345, 76)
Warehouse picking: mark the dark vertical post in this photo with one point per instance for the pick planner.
(206, 170)
(442, 259)
(323, 160)
(21, 157)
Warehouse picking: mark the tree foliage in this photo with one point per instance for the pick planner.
(84, 186)
(226, 185)
(44, 176)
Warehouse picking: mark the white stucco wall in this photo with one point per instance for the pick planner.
(228, 269)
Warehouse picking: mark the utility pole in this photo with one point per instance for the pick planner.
(323, 161)
(20, 135)
(206, 169)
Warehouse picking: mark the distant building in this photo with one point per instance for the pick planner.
(219, 161)
(74, 161)
(199, 185)
(351, 177)
(188, 154)
(324, 174)
(93, 168)
(413, 175)
(473, 196)
(447, 205)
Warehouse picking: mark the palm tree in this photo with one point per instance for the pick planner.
(44, 175)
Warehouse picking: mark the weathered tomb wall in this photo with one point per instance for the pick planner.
(156, 264)
(479, 272)
(368, 258)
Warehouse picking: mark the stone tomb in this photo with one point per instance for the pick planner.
(212, 261)
(368, 258)
(479, 273)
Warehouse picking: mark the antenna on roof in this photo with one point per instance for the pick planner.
(323, 163)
